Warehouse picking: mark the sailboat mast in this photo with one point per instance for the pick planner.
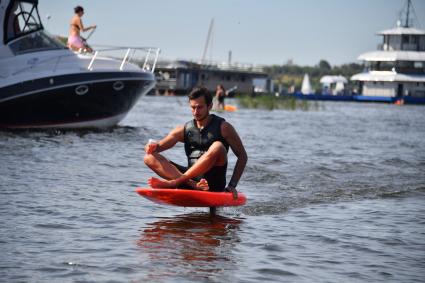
(407, 13)
(208, 41)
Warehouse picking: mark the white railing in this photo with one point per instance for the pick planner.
(132, 55)
(147, 58)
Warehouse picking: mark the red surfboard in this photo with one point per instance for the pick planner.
(191, 198)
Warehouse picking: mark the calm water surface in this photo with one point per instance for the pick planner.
(336, 194)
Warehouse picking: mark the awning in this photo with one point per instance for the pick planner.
(387, 76)
(333, 79)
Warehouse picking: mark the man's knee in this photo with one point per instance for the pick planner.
(149, 159)
(218, 151)
(217, 146)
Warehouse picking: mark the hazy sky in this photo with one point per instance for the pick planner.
(257, 31)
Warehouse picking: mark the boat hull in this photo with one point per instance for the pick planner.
(82, 100)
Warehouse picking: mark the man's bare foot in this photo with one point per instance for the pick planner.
(159, 183)
(202, 185)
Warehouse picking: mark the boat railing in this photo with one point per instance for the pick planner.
(145, 57)
(210, 64)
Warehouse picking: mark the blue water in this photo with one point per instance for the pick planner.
(335, 193)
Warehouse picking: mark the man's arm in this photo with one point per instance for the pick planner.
(231, 136)
(176, 135)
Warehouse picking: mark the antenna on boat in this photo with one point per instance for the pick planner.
(409, 3)
(207, 43)
(410, 15)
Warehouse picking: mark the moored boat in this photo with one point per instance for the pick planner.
(396, 71)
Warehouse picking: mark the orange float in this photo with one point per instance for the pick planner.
(230, 108)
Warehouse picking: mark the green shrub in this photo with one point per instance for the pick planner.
(271, 102)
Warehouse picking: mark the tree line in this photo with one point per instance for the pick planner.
(291, 76)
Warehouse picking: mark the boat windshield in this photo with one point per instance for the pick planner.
(24, 30)
(36, 41)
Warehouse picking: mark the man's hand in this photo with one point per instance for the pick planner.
(151, 147)
(233, 191)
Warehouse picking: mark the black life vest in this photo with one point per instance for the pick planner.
(198, 141)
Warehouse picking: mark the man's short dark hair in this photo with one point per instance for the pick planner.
(78, 9)
(201, 91)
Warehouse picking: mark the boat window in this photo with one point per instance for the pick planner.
(22, 19)
(37, 41)
(404, 38)
(382, 66)
(414, 39)
(410, 67)
(418, 64)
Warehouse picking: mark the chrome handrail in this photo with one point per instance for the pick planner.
(92, 61)
(146, 59)
(156, 59)
(132, 50)
(126, 59)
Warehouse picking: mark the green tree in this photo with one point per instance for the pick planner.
(324, 65)
(289, 75)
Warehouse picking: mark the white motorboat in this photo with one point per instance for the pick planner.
(43, 84)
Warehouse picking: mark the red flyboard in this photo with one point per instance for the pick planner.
(191, 198)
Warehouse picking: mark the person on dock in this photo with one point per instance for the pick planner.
(220, 95)
(75, 41)
(206, 139)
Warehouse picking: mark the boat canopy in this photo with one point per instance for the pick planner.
(387, 76)
(390, 56)
(22, 30)
(21, 18)
(333, 80)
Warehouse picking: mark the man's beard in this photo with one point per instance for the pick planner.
(202, 118)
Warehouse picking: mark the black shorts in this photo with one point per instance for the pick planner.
(216, 176)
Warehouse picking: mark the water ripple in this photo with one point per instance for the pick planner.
(333, 196)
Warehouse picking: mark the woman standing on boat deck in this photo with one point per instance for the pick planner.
(75, 41)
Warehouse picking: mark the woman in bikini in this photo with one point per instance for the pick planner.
(75, 41)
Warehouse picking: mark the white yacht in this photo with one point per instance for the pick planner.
(396, 71)
(45, 85)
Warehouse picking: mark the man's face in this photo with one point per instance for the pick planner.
(200, 109)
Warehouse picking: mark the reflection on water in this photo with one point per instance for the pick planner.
(194, 245)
